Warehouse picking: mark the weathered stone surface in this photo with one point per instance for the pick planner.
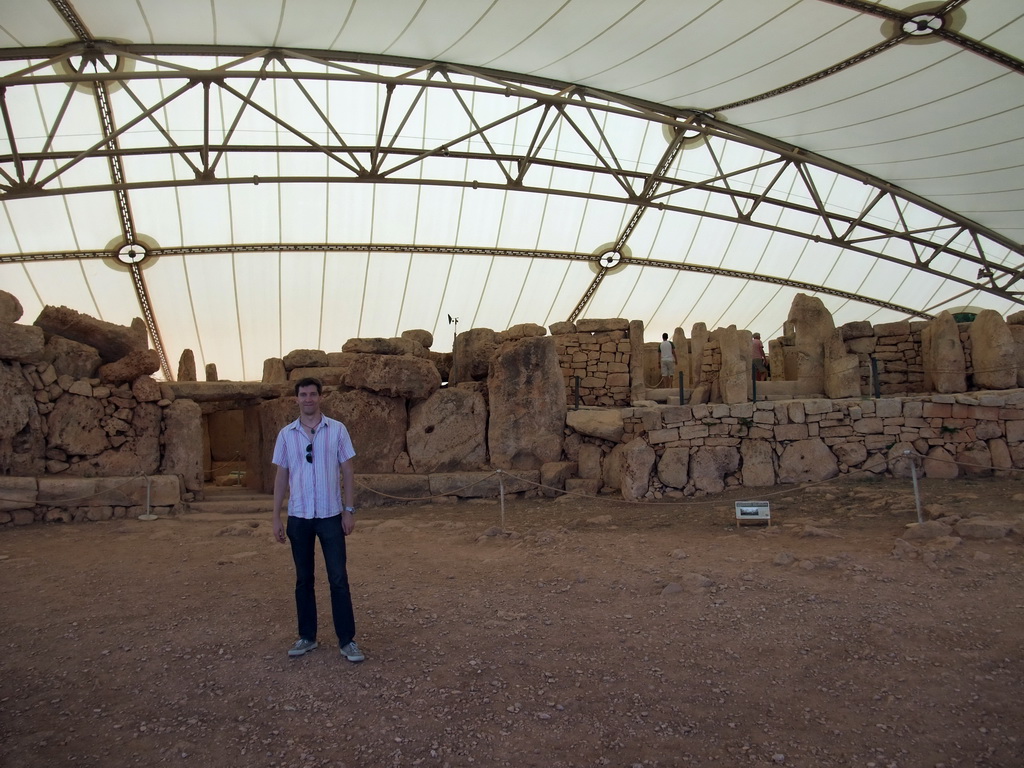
(521, 331)
(583, 486)
(940, 464)
(858, 329)
(405, 376)
(557, 329)
(842, 369)
(637, 462)
(187, 366)
(850, 454)
(553, 476)
(211, 372)
(222, 391)
(589, 461)
(305, 358)
(812, 325)
(709, 466)
(21, 343)
(262, 424)
(807, 461)
(74, 426)
(472, 355)
(993, 352)
(637, 389)
(758, 465)
(124, 491)
(182, 440)
(470, 485)
(17, 493)
(976, 461)
(734, 377)
(113, 342)
(130, 367)
(274, 371)
(21, 428)
(326, 376)
(375, 490)
(596, 325)
(904, 460)
(930, 529)
(424, 338)
(146, 389)
(10, 308)
(674, 467)
(978, 528)
(447, 432)
(376, 423)
(611, 467)
(381, 346)
(1017, 332)
(138, 454)
(71, 358)
(942, 355)
(527, 405)
(602, 423)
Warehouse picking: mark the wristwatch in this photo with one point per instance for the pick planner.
(349, 509)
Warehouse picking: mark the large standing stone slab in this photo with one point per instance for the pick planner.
(139, 454)
(637, 462)
(842, 369)
(1017, 331)
(382, 346)
(187, 366)
(112, 341)
(404, 376)
(812, 326)
(182, 440)
(758, 463)
(807, 461)
(993, 352)
(602, 423)
(23, 343)
(71, 358)
(942, 354)
(472, 355)
(527, 402)
(447, 432)
(376, 423)
(734, 378)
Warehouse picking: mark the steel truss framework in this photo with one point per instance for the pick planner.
(783, 190)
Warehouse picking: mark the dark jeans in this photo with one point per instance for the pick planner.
(303, 535)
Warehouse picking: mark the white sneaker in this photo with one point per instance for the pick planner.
(351, 652)
(302, 646)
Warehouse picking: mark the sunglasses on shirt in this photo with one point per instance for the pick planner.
(309, 453)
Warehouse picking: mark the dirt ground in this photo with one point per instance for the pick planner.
(578, 632)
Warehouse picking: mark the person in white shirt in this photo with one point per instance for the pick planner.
(314, 455)
(669, 361)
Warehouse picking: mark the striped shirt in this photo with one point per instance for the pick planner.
(314, 486)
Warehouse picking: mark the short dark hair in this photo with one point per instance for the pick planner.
(664, 336)
(309, 381)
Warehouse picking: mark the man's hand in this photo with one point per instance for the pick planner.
(279, 529)
(348, 522)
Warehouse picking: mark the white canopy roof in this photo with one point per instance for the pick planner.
(257, 176)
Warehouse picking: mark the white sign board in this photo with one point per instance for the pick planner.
(757, 511)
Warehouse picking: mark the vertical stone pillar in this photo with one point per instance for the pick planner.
(637, 386)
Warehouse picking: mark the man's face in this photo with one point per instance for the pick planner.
(308, 400)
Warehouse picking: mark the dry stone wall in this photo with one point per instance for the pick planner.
(598, 354)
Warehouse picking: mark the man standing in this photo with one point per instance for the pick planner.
(309, 454)
(669, 361)
(760, 362)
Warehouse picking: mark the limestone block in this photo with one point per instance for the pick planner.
(553, 476)
(857, 329)
(17, 492)
(376, 423)
(21, 343)
(807, 461)
(447, 432)
(603, 423)
(589, 461)
(139, 454)
(522, 331)
(1017, 332)
(74, 426)
(274, 371)
(975, 460)
(674, 467)
(130, 367)
(594, 325)
(635, 475)
(182, 440)
(424, 338)
(734, 377)
(470, 485)
(305, 358)
(10, 308)
(812, 325)
(375, 490)
(527, 405)
(146, 389)
(382, 346)
(71, 358)
(850, 454)
(841, 369)
(757, 463)
(111, 341)
(403, 376)
(560, 328)
(472, 354)
(993, 352)
(583, 486)
(710, 465)
(187, 366)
